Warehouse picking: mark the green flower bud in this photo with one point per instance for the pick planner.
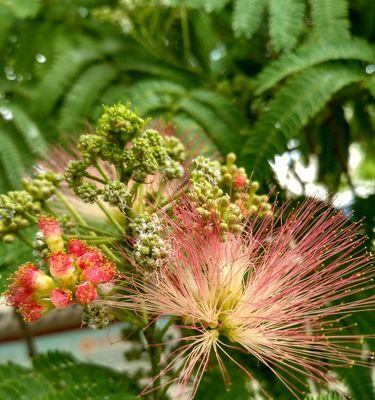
(88, 192)
(118, 123)
(117, 194)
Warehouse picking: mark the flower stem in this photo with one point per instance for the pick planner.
(110, 216)
(71, 209)
(24, 239)
(154, 354)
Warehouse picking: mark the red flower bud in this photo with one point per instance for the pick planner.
(31, 312)
(103, 273)
(86, 293)
(31, 277)
(61, 298)
(17, 295)
(77, 247)
(92, 257)
(52, 233)
(61, 267)
(239, 180)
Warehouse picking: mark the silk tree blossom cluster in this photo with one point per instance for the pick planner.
(73, 276)
(280, 291)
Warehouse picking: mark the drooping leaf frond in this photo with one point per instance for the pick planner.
(247, 16)
(313, 54)
(298, 101)
(285, 23)
(81, 98)
(331, 19)
(59, 376)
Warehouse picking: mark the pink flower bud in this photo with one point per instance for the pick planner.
(61, 298)
(77, 247)
(239, 180)
(103, 273)
(93, 257)
(61, 267)
(31, 312)
(30, 276)
(17, 295)
(52, 233)
(86, 293)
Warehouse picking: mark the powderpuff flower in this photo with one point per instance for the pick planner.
(30, 278)
(92, 257)
(52, 232)
(33, 311)
(17, 295)
(99, 274)
(61, 267)
(85, 293)
(61, 298)
(77, 247)
(277, 291)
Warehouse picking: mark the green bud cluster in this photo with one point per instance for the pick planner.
(17, 209)
(119, 124)
(117, 194)
(243, 192)
(211, 201)
(43, 185)
(40, 249)
(88, 192)
(133, 152)
(149, 249)
(146, 156)
(97, 316)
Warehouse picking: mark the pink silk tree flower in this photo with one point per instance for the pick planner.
(278, 291)
(77, 247)
(61, 268)
(52, 232)
(33, 311)
(31, 277)
(85, 293)
(92, 257)
(99, 274)
(61, 298)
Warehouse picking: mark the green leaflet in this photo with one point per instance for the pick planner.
(331, 19)
(285, 23)
(310, 55)
(291, 109)
(247, 16)
(58, 376)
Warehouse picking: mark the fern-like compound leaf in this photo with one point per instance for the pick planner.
(301, 99)
(247, 16)
(313, 54)
(331, 19)
(285, 23)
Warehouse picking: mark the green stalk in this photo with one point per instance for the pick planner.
(71, 209)
(24, 239)
(110, 216)
(101, 171)
(154, 354)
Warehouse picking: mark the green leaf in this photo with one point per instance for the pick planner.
(59, 376)
(23, 8)
(29, 130)
(83, 95)
(216, 129)
(247, 16)
(301, 99)
(331, 19)
(11, 163)
(286, 23)
(359, 381)
(312, 54)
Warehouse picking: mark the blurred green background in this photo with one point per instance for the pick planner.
(289, 85)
